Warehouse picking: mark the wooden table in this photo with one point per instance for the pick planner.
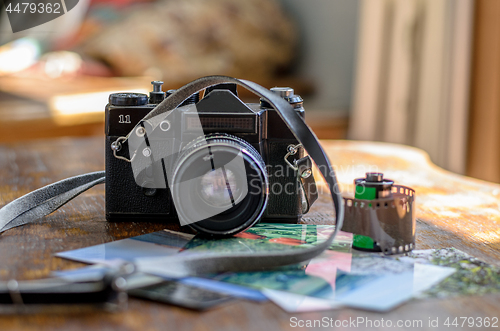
(452, 210)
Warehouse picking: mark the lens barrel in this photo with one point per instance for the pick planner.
(220, 185)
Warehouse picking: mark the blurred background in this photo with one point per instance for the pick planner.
(424, 73)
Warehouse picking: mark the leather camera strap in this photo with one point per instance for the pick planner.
(43, 201)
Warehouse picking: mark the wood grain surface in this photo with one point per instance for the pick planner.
(452, 210)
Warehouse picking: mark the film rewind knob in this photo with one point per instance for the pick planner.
(284, 92)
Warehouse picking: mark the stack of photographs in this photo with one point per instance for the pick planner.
(339, 277)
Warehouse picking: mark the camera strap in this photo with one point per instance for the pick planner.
(45, 200)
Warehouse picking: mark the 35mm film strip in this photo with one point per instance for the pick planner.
(390, 222)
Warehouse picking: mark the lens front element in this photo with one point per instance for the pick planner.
(220, 188)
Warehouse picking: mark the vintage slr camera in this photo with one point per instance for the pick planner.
(229, 126)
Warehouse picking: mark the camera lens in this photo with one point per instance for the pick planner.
(219, 185)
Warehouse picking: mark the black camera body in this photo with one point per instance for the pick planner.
(222, 115)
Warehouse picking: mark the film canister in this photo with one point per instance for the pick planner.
(372, 187)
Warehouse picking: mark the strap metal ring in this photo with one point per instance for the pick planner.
(116, 146)
(292, 150)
